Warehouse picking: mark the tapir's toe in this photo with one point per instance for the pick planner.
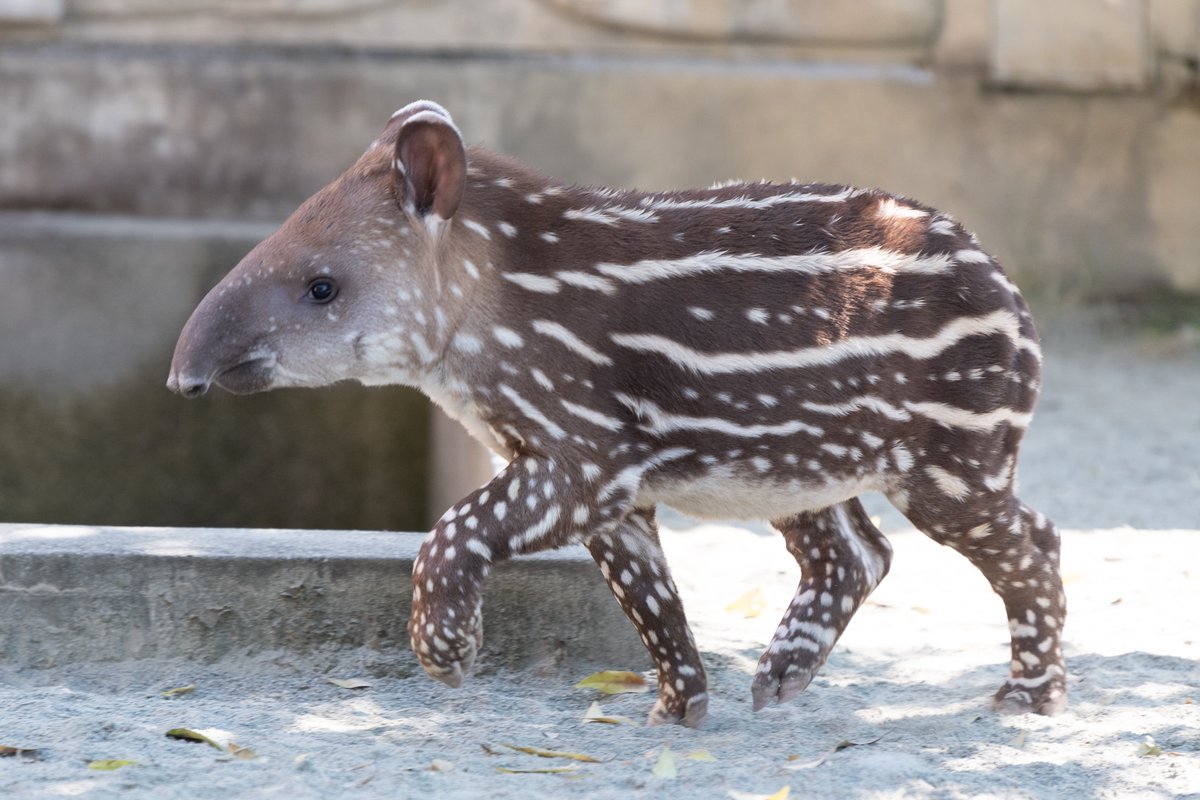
(768, 686)
(691, 712)
(452, 677)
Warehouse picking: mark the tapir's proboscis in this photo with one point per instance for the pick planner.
(752, 350)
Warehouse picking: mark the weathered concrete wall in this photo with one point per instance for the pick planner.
(1065, 188)
(1066, 135)
(88, 432)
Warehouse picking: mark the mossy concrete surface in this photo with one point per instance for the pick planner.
(71, 594)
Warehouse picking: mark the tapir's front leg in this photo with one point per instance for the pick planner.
(632, 561)
(536, 503)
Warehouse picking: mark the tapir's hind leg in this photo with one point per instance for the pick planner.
(842, 558)
(632, 562)
(1017, 550)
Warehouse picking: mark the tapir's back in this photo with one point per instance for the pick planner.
(760, 307)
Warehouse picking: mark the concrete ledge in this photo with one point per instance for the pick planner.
(78, 593)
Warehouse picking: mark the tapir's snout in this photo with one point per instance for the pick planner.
(221, 344)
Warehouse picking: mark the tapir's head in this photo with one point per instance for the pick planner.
(330, 296)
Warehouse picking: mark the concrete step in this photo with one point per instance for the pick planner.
(73, 594)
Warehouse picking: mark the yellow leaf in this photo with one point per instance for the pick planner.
(664, 768)
(1149, 748)
(191, 687)
(187, 735)
(538, 770)
(108, 764)
(750, 604)
(242, 753)
(614, 682)
(538, 751)
(595, 714)
(782, 794)
(700, 755)
(349, 683)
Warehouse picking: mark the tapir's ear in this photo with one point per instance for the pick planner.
(430, 162)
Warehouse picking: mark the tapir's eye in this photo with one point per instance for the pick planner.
(322, 290)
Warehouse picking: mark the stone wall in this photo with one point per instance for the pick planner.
(145, 145)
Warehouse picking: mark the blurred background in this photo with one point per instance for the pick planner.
(146, 145)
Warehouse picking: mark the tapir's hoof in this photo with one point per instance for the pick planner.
(449, 661)
(451, 674)
(692, 714)
(452, 677)
(1047, 700)
(767, 686)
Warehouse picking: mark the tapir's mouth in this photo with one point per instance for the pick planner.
(248, 377)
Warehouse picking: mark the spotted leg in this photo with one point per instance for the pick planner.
(842, 558)
(632, 562)
(1017, 550)
(536, 503)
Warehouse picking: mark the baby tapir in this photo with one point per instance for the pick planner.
(754, 351)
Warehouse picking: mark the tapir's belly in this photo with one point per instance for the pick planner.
(723, 493)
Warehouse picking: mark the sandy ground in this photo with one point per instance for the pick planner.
(1114, 456)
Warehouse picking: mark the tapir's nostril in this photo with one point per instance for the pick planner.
(185, 387)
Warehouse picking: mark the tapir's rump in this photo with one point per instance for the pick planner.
(765, 351)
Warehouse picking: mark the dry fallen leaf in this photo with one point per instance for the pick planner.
(750, 604)
(242, 753)
(438, 765)
(614, 682)
(700, 755)
(19, 752)
(188, 735)
(596, 714)
(542, 752)
(1018, 740)
(664, 768)
(797, 764)
(109, 764)
(538, 770)
(179, 690)
(844, 743)
(349, 683)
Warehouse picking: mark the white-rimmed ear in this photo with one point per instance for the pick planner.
(417, 106)
(430, 164)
